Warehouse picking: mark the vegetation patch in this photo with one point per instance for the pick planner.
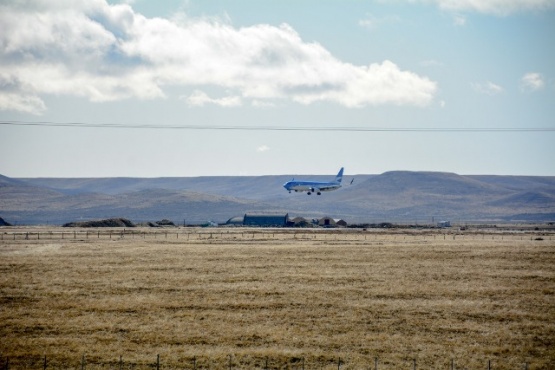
(4, 223)
(111, 222)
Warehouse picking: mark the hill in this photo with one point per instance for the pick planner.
(397, 196)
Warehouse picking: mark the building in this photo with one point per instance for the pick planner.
(262, 220)
(235, 221)
(331, 222)
(300, 222)
(340, 222)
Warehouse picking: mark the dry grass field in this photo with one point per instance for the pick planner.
(281, 299)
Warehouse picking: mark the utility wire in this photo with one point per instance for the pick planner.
(275, 128)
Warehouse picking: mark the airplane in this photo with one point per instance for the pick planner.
(314, 186)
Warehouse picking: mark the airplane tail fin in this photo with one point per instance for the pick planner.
(339, 176)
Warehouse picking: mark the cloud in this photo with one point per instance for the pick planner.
(105, 52)
(22, 103)
(532, 81)
(262, 148)
(488, 88)
(495, 7)
(459, 20)
(199, 98)
(431, 63)
(14, 95)
(371, 21)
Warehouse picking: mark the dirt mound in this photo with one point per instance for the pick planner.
(165, 222)
(111, 222)
(4, 223)
(161, 223)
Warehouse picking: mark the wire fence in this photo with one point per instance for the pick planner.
(269, 235)
(236, 362)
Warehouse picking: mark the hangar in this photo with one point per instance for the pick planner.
(282, 220)
(331, 222)
(264, 220)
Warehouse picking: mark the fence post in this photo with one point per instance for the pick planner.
(44, 366)
(229, 361)
(157, 362)
(83, 363)
(339, 363)
(376, 363)
(194, 363)
(413, 364)
(489, 364)
(120, 362)
(452, 364)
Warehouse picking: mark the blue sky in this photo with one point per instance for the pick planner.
(182, 80)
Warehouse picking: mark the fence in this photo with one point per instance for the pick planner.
(270, 234)
(230, 362)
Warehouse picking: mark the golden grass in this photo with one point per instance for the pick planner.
(252, 296)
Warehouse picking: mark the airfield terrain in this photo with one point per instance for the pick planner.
(276, 298)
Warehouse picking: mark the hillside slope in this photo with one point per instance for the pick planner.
(397, 196)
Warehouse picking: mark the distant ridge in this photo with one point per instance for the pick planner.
(396, 196)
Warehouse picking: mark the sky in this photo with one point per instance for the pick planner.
(184, 88)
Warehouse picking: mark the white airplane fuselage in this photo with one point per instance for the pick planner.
(314, 186)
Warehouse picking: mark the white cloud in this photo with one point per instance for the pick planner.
(108, 52)
(199, 98)
(431, 63)
(532, 81)
(459, 20)
(488, 88)
(371, 21)
(495, 7)
(14, 95)
(22, 103)
(262, 148)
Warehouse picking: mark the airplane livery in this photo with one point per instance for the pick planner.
(314, 186)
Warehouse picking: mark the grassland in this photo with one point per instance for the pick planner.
(281, 298)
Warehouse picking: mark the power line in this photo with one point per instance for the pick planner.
(274, 128)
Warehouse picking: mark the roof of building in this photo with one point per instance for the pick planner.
(237, 220)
